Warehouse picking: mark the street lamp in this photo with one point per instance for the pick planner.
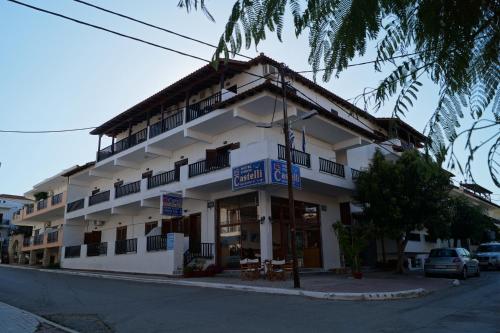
(291, 202)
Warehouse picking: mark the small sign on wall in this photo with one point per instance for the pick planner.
(170, 241)
(171, 205)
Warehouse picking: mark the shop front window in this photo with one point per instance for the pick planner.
(239, 229)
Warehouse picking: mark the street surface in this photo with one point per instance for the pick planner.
(101, 305)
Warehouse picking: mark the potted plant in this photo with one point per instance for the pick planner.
(352, 240)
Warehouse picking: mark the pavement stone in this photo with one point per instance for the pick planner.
(14, 320)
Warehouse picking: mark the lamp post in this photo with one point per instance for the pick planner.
(291, 202)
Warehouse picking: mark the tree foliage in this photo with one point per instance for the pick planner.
(454, 43)
(402, 196)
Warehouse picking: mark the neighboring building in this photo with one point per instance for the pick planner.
(45, 216)
(191, 139)
(9, 205)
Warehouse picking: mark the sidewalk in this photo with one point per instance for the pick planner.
(14, 320)
(373, 286)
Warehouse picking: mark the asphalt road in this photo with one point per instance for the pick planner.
(101, 305)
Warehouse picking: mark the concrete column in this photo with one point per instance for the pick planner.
(32, 260)
(46, 258)
(266, 236)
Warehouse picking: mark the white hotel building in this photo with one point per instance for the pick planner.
(188, 139)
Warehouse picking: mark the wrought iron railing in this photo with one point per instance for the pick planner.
(355, 173)
(57, 199)
(97, 249)
(127, 189)
(53, 236)
(38, 239)
(199, 168)
(170, 122)
(27, 241)
(99, 197)
(123, 144)
(72, 251)
(297, 156)
(331, 167)
(42, 204)
(126, 246)
(30, 208)
(162, 179)
(203, 107)
(156, 243)
(75, 205)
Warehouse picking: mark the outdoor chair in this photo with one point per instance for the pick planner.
(276, 270)
(250, 269)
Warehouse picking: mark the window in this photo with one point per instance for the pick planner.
(150, 226)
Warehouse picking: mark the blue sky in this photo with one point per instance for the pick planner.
(57, 74)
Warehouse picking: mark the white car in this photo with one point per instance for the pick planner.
(488, 255)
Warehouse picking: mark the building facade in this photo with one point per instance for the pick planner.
(9, 205)
(214, 140)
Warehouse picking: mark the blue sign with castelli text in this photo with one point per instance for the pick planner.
(248, 175)
(279, 174)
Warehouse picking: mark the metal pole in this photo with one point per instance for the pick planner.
(291, 203)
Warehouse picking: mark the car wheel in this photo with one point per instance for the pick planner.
(463, 275)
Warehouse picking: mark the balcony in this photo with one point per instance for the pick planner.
(48, 239)
(43, 210)
(123, 144)
(99, 198)
(331, 167)
(156, 243)
(170, 122)
(127, 189)
(126, 246)
(72, 251)
(203, 107)
(298, 157)
(75, 205)
(97, 249)
(202, 167)
(162, 179)
(355, 174)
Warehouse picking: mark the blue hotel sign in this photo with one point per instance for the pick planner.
(279, 174)
(248, 175)
(264, 172)
(171, 205)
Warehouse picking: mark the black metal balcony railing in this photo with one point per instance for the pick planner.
(97, 249)
(156, 243)
(123, 144)
(72, 251)
(126, 246)
(298, 157)
(56, 199)
(27, 241)
(331, 167)
(199, 168)
(75, 205)
(127, 189)
(355, 173)
(42, 204)
(38, 239)
(99, 197)
(170, 122)
(202, 250)
(52, 236)
(162, 179)
(30, 209)
(203, 107)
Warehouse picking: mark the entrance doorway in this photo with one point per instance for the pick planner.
(308, 232)
(190, 226)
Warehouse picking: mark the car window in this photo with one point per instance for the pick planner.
(488, 248)
(436, 253)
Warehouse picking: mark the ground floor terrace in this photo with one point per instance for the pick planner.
(41, 249)
(217, 227)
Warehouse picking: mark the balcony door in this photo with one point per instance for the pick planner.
(190, 226)
(93, 237)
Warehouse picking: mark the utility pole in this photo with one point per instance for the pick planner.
(291, 203)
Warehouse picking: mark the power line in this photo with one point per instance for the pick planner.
(153, 26)
(108, 30)
(47, 131)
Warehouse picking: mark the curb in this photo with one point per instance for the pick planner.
(337, 296)
(41, 319)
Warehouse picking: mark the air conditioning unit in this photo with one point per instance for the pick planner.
(99, 223)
